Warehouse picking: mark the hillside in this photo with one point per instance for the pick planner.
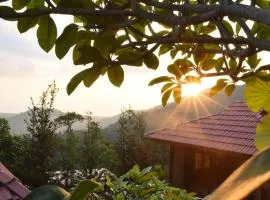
(157, 117)
(190, 108)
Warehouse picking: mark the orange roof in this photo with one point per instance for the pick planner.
(231, 130)
(10, 187)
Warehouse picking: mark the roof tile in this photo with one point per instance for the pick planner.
(231, 130)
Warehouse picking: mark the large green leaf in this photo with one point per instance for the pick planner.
(46, 33)
(151, 61)
(26, 23)
(65, 40)
(116, 75)
(257, 95)
(247, 178)
(262, 137)
(83, 189)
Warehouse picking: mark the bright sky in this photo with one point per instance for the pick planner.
(26, 70)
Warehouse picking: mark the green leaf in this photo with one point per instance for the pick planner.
(175, 70)
(219, 64)
(65, 41)
(26, 23)
(184, 64)
(83, 54)
(253, 61)
(116, 75)
(164, 49)
(166, 97)
(46, 33)
(233, 64)
(35, 4)
(173, 53)
(262, 137)
(166, 86)
(129, 56)
(177, 94)
(228, 26)
(91, 76)
(74, 82)
(208, 64)
(247, 178)
(83, 189)
(159, 80)
(229, 89)
(238, 28)
(151, 61)
(264, 4)
(257, 95)
(19, 4)
(220, 84)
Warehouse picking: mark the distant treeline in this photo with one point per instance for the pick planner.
(42, 155)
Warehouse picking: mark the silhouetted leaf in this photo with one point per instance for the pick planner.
(65, 41)
(26, 23)
(116, 75)
(151, 61)
(46, 33)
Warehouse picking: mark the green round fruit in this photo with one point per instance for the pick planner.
(48, 192)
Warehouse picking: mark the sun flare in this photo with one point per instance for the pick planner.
(191, 89)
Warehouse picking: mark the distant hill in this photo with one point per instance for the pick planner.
(18, 125)
(7, 115)
(190, 108)
(158, 117)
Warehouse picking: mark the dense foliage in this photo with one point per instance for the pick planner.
(65, 156)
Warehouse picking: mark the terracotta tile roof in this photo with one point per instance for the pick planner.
(231, 130)
(10, 187)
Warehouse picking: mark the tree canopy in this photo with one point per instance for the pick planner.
(204, 38)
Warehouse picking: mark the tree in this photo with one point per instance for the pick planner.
(6, 143)
(130, 146)
(95, 152)
(41, 139)
(69, 148)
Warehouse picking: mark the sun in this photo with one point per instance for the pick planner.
(191, 89)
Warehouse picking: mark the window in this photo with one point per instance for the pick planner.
(202, 160)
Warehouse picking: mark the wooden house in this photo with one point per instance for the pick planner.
(204, 152)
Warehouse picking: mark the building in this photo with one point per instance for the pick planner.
(204, 152)
(10, 187)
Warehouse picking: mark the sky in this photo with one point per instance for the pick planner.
(26, 71)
